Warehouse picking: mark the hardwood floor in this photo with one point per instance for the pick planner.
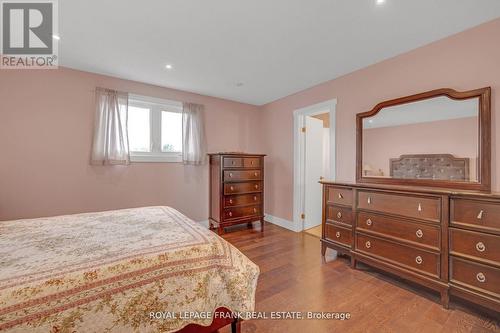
(294, 277)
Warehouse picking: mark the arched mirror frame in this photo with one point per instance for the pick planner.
(484, 140)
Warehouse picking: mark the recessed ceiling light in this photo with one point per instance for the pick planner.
(380, 2)
(168, 66)
(56, 37)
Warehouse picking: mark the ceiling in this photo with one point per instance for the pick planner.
(253, 51)
(427, 110)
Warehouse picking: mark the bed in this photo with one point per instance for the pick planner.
(430, 166)
(148, 269)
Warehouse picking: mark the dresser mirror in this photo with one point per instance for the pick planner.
(439, 138)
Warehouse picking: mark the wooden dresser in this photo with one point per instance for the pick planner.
(236, 189)
(445, 240)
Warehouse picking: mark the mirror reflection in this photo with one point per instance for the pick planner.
(436, 138)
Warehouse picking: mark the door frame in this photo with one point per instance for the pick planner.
(299, 140)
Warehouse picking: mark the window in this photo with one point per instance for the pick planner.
(154, 129)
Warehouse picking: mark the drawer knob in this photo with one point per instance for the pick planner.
(230, 213)
(339, 215)
(480, 215)
(256, 186)
(419, 260)
(480, 247)
(419, 233)
(230, 201)
(419, 208)
(369, 200)
(369, 222)
(340, 196)
(255, 210)
(231, 174)
(254, 198)
(368, 244)
(337, 234)
(232, 188)
(233, 162)
(481, 277)
(251, 162)
(256, 174)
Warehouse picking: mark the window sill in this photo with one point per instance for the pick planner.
(155, 158)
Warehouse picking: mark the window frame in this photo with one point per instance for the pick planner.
(156, 106)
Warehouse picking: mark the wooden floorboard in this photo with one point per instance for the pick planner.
(295, 277)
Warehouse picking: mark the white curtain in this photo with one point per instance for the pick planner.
(110, 145)
(193, 134)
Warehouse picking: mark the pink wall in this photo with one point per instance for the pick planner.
(46, 119)
(465, 61)
(458, 137)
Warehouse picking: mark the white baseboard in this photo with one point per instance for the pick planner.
(282, 223)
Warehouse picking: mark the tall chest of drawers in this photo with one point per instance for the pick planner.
(236, 189)
(446, 241)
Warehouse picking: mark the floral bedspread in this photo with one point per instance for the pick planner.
(126, 270)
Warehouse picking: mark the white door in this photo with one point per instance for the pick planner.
(314, 169)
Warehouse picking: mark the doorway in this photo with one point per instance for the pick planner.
(314, 155)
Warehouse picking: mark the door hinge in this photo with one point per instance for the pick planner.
(303, 129)
(302, 216)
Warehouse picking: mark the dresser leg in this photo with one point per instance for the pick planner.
(353, 262)
(220, 230)
(445, 298)
(236, 326)
(323, 249)
(262, 225)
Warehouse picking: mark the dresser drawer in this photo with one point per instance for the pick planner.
(474, 244)
(339, 195)
(475, 275)
(339, 214)
(338, 234)
(240, 212)
(232, 162)
(425, 208)
(400, 229)
(476, 214)
(242, 199)
(420, 260)
(249, 187)
(251, 162)
(239, 175)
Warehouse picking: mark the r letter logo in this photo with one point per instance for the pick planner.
(27, 34)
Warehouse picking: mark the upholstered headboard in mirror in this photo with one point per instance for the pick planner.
(402, 141)
(430, 166)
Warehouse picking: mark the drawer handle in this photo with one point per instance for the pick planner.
(369, 200)
(368, 244)
(480, 247)
(481, 277)
(232, 188)
(256, 174)
(230, 201)
(337, 234)
(340, 196)
(339, 215)
(254, 198)
(255, 210)
(369, 222)
(251, 162)
(230, 174)
(419, 260)
(233, 162)
(480, 215)
(230, 213)
(419, 233)
(256, 186)
(419, 207)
